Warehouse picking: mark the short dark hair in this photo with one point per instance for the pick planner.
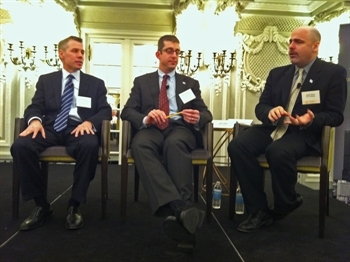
(170, 38)
(64, 43)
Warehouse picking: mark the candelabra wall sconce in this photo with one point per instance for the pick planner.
(54, 62)
(27, 59)
(221, 67)
(185, 66)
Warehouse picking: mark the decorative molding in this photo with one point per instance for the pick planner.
(71, 6)
(221, 5)
(326, 16)
(253, 47)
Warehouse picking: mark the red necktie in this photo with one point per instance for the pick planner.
(164, 102)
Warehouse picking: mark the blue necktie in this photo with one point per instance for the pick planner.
(66, 104)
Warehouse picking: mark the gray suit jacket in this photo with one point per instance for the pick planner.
(144, 97)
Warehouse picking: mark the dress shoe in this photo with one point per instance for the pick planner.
(190, 217)
(74, 219)
(255, 221)
(174, 230)
(281, 212)
(36, 218)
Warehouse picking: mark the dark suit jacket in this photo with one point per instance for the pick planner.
(328, 78)
(144, 97)
(46, 102)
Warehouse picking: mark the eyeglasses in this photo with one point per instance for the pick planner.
(171, 51)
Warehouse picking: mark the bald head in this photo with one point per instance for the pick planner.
(303, 45)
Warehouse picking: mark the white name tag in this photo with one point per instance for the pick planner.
(83, 101)
(187, 96)
(310, 97)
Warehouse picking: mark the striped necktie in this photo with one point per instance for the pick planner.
(66, 104)
(282, 127)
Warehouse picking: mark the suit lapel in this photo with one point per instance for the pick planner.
(57, 84)
(312, 76)
(181, 86)
(288, 79)
(153, 83)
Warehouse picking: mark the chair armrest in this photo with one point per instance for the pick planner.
(207, 136)
(327, 146)
(126, 137)
(237, 128)
(20, 125)
(105, 134)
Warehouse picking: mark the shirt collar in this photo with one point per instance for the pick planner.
(76, 74)
(306, 68)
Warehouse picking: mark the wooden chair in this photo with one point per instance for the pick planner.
(200, 156)
(309, 164)
(59, 154)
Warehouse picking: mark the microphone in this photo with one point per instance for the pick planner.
(298, 85)
(167, 87)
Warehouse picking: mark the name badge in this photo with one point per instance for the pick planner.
(310, 97)
(83, 101)
(187, 96)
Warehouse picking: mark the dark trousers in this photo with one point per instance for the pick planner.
(84, 149)
(171, 178)
(282, 156)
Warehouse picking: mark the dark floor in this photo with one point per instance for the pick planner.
(141, 237)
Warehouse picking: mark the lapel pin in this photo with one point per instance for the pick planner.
(184, 83)
(311, 81)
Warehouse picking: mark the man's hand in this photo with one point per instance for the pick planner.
(276, 113)
(303, 120)
(34, 128)
(190, 116)
(85, 127)
(156, 116)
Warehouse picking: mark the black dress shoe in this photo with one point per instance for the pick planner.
(281, 212)
(255, 221)
(174, 230)
(74, 219)
(36, 218)
(190, 217)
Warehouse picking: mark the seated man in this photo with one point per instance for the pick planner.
(298, 100)
(67, 109)
(168, 184)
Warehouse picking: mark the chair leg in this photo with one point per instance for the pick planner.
(195, 182)
(209, 187)
(232, 194)
(136, 185)
(45, 174)
(124, 187)
(104, 185)
(15, 192)
(322, 200)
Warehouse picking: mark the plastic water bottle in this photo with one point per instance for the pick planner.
(239, 208)
(217, 190)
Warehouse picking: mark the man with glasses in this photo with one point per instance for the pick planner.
(167, 111)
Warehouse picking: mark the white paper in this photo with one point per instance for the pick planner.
(187, 96)
(230, 122)
(242, 121)
(83, 101)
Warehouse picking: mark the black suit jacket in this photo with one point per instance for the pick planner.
(46, 102)
(144, 97)
(328, 78)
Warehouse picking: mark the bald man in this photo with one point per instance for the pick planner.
(291, 128)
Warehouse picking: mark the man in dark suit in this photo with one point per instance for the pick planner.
(298, 100)
(168, 184)
(76, 126)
